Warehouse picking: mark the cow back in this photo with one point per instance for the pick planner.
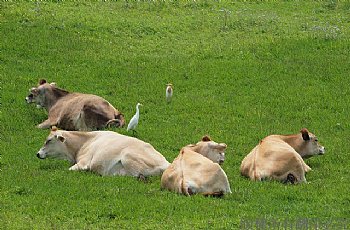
(192, 173)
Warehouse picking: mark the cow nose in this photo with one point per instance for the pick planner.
(322, 150)
(38, 156)
(221, 162)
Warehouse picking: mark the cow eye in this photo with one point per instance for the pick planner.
(48, 141)
(316, 140)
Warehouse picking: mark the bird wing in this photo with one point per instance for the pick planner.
(133, 122)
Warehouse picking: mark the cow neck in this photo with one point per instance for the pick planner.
(295, 141)
(74, 142)
(54, 96)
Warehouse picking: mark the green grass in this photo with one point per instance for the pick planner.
(241, 70)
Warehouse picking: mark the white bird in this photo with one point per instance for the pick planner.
(169, 92)
(135, 119)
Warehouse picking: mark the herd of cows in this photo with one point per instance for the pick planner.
(196, 170)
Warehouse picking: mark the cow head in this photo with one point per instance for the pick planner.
(33, 93)
(37, 94)
(210, 149)
(54, 145)
(310, 145)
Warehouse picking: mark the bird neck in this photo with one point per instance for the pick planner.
(137, 111)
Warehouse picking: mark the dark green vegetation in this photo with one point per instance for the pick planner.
(240, 71)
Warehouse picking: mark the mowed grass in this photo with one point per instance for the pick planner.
(240, 70)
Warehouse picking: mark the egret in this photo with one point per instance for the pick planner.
(169, 92)
(135, 119)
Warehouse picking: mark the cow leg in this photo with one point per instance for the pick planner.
(133, 165)
(78, 167)
(96, 118)
(74, 167)
(307, 168)
(46, 124)
(113, 122)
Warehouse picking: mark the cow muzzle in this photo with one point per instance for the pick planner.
(41, 155)
(322, 151)
(29, 98)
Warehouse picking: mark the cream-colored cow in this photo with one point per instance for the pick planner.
(104, 152)
(280, 157)
(73, 111)
(196, 170)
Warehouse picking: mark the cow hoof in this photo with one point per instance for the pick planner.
(291, 179)
(215, 194)
(142, 178)
(74, 168)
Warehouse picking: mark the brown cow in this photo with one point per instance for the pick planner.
(196, 170)
(73, 111)
(280, 157)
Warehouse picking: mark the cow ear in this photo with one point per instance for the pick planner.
(42, 81)
(305, 134)
(222, 146)
(206, 138)
(60, 138)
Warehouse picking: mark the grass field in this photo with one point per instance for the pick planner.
(241, 70)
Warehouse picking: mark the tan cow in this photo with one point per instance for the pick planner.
(196, 170)
(73, 111)
(280, 157)
(104, 152)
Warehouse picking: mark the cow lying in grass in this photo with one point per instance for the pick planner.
(196, 170)
(104, 152)
(280, 157)
(73, 111)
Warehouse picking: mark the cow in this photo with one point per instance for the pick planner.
(196, 170)
(280, 157)
(73, 111)
(104, 152)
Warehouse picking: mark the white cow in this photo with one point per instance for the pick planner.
(104, 152)
(280, 157)
(196, 170)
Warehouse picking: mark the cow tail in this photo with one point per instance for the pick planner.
(183, 186)
(254, 162)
